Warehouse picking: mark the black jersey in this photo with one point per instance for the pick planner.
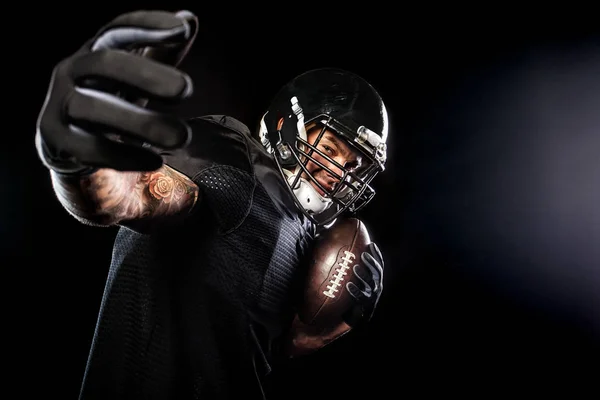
(192, 311)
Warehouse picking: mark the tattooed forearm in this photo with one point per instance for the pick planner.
(108, 197)
(162, 193)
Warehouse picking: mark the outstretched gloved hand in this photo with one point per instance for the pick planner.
(102, 89)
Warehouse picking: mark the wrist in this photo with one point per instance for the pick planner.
(59, 165)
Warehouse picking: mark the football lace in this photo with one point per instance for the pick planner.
(338, 278)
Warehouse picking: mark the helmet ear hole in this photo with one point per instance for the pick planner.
(287, 140)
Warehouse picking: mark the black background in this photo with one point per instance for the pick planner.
(486, 215)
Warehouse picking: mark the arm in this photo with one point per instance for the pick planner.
(303, 339)
(135, 199)
(81, 122)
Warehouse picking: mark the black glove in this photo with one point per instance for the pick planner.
(367, 294)
(101, 89)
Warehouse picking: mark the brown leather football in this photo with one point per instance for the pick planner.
(335, 253)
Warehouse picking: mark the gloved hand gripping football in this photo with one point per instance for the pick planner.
(366, 294)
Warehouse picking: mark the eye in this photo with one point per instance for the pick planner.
(328, 149)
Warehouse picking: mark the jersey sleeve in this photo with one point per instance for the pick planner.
(218, 160)
(217, 140)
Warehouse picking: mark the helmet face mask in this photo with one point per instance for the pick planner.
(330, 100)
(350, 180)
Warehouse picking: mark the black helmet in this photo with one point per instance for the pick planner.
(329, 100)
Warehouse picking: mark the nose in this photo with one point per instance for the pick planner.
(332, 180)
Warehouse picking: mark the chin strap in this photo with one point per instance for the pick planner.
(306, 194)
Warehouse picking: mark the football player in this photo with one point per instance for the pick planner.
(215, 224)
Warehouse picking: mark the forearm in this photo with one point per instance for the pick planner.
(303, 339)
(99, 198)
(108, 197)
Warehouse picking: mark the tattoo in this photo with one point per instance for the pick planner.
(109, 197)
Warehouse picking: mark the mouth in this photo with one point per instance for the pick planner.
(318, 189)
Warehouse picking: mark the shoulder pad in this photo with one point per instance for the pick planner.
(227, 122)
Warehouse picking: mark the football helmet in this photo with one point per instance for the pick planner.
(327, 100)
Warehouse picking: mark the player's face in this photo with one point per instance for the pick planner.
(335, 148)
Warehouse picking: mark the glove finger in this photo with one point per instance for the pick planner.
(375, 269)
(365, 285)
(363, 274)
(144, 28)
(356, 293)
(376, 253)
(97, 111)
(98, 151)
(174, 54)
(138, 76)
